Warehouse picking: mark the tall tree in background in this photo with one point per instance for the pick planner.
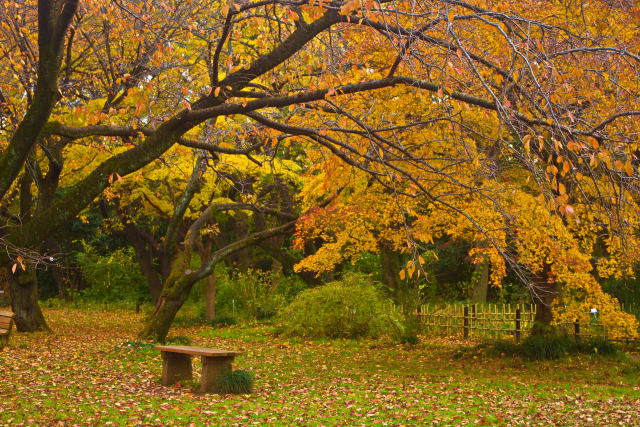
(504, 81)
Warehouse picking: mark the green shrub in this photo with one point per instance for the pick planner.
(116, 277)
(408, 339)
(191, 314)
(260, 294)
(236, 382)
(602, 346)
(349, 308)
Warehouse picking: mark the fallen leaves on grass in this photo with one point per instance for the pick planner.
(93, 371)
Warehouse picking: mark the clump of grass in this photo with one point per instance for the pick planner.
(236, 382)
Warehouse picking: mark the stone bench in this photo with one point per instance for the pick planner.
(6, 322)
(176, 365)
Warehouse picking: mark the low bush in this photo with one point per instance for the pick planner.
(236, 382)
(191, 314)
(350, 308)
(260, 294)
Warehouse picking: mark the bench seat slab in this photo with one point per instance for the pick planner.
(176, 367)
(197, 351)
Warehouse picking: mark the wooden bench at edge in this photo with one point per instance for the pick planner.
(6, 322)
(176, 365)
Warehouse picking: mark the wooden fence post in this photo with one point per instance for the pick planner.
(576, 330)
(518, 325)
(466, 321)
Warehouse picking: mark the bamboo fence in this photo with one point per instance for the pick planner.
(494, 321)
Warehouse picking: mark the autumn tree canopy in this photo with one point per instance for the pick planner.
(484, 113)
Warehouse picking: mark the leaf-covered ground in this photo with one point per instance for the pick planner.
(91, 370)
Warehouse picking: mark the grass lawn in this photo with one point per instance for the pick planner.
(91, 370)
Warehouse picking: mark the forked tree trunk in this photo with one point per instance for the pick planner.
(24, 301)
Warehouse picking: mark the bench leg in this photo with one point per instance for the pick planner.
(212, 369)
(176, 367)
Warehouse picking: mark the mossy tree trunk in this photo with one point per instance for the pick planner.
(54, 19)
(24, 301)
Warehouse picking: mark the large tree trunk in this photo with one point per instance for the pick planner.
(24, 301)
